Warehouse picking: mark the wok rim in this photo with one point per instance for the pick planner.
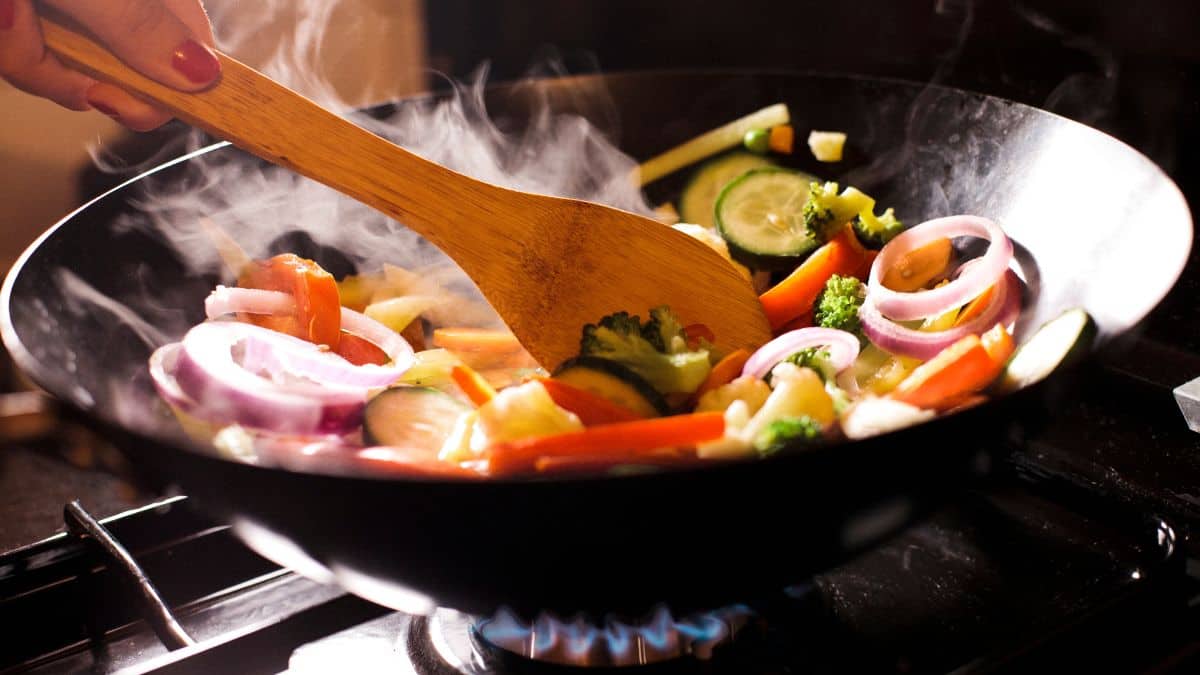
(31, 367)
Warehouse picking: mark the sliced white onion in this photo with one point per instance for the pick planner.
(224, 390)
(901, 306)
(842, 346)
(896, 339)
(225, 300)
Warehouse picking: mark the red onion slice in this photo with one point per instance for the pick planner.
(901, 306)
(896, 339)
(843, 349)
(310, 363)
(223, 389)
(224, 300)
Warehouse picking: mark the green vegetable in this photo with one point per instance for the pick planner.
(657, 352)
(757, 141)
(417, 417)
(816, 359)
(760, 217)
(838, 304)
(614, 382)
(875, 231)
(785, 432)
(1061, 340)
(826, 211)
(697, 202)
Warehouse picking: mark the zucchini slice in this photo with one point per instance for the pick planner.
(413, 417)
(1060, 340)
(761, 216)
(614, 382)
(699, 198)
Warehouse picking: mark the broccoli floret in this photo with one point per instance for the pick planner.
(787, 431)
(875, 231)
(656, 351)
(664, 331)
(837, 305)
(826, 211)
(815, 358)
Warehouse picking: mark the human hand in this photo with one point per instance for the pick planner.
(164, 39)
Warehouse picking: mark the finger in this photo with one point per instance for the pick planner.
(26, 64)
(148, 36)
(125, 108)
(194, 16)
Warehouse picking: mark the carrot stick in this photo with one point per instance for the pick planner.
(959, 370)
(976, 306)
(592, 409)
(724, 372)
(472, 384)
(781, 139)
(795, 295)
(623, 439)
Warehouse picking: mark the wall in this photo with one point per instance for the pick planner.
(373, 50)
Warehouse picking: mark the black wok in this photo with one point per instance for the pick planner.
(1097, 225)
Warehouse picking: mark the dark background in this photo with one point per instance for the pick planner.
(1131, 69)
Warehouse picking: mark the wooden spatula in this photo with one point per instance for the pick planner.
(547, 265)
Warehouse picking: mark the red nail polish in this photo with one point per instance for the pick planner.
(8, 14)
(195, 61)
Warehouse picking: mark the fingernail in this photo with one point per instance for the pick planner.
(8, 14)
(195, 62)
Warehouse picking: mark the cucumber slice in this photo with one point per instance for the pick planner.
(700, 196)
(614, 382)
(760, 215)
(412, 417)
(1060, 340)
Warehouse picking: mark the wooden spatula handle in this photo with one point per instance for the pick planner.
(271, 121)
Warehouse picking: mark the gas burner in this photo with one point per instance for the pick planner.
(507, 642)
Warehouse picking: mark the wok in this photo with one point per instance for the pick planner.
(1096, 225)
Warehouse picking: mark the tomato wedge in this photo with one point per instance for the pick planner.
(318, 315)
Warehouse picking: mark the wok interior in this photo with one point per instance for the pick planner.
(1096, 224)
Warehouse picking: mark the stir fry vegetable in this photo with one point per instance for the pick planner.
(877, 327)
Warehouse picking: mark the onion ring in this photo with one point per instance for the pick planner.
(843, 349)
(897, 339)
(900, 306)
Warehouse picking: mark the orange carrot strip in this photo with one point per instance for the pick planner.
(795, 295)
(865, 270)
(624, 439)
(975, 307)
(592, 409)
(782, 139)
(724, 372)
(472, 384)
(475, 340)
(963, 368)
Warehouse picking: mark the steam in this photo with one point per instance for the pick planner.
(550, 153)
